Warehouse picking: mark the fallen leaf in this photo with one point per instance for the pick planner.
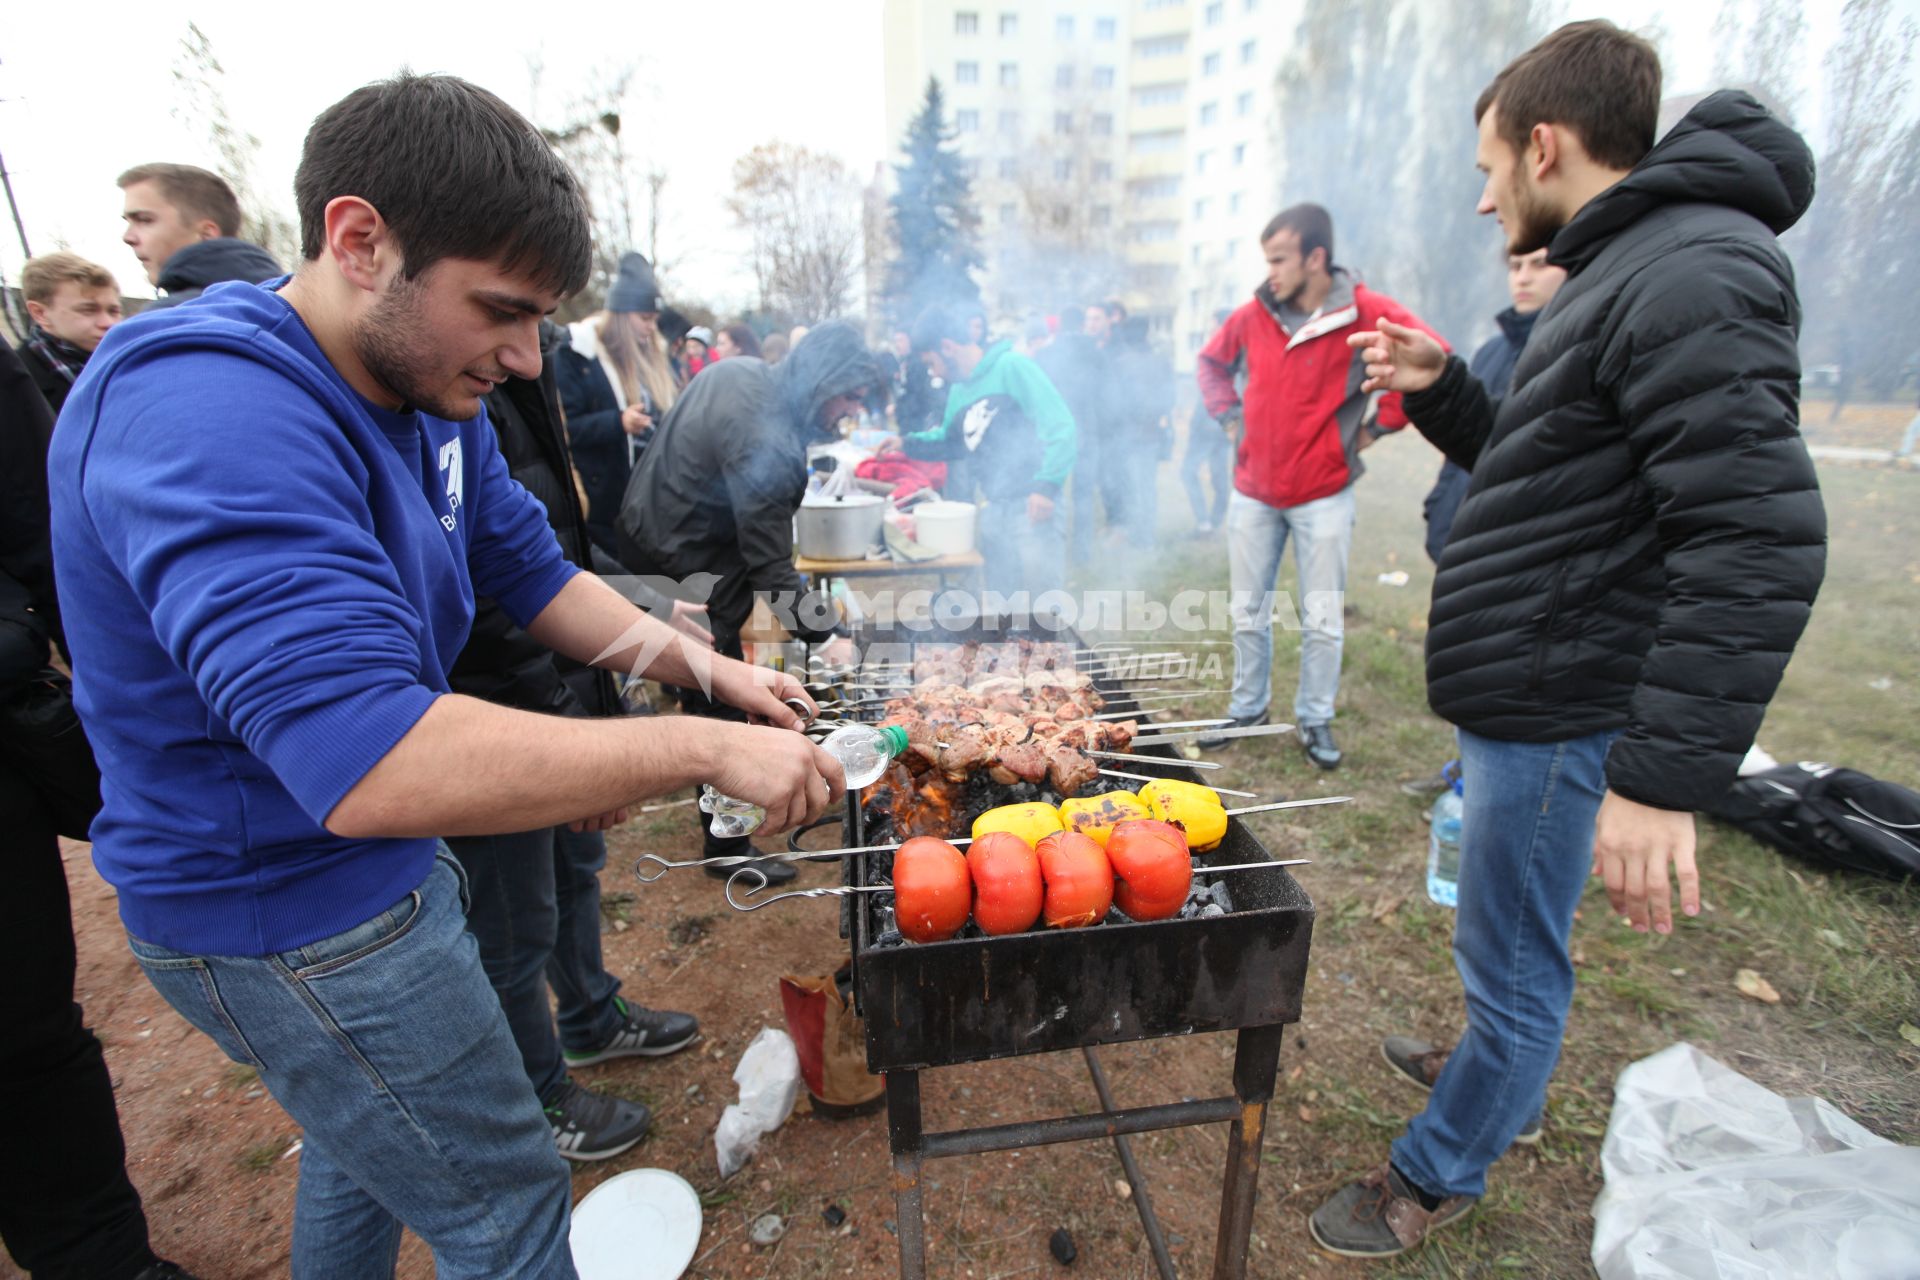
(1306, 1115)
(1755, 987)
(1387, 905)
(1910, 1033)
(1296, 1073)
(1123, 1188)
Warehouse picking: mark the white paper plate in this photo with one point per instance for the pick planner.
(643, 1224)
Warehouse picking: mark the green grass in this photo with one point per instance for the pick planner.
(262, 1156)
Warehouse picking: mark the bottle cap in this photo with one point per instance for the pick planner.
(895, 738)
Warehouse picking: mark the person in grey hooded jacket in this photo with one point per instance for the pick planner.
(716, 491)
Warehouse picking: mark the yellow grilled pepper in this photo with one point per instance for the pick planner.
(1030, 821)
(1196, 808)
(1096, 816)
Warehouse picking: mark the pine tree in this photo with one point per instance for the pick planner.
(935, 225)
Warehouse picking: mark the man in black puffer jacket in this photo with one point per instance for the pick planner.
(1632, 566)
(535, 895)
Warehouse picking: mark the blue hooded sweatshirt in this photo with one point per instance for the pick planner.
(266, 579)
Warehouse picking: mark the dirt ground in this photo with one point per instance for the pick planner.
(213, 1155)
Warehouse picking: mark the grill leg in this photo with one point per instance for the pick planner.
(903, 1136)
(1256, 1058)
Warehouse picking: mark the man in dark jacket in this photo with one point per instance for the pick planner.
(1531, 283)
(71, 303)
(535, 895)
(716, 491)
(181, 223)
(1636, 557)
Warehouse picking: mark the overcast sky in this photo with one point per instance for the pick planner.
(87, 90)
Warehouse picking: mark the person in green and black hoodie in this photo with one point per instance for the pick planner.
(1004, 418)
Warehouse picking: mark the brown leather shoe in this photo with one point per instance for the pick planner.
(1380, 1217)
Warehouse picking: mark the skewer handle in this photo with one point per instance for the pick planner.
(759, 875)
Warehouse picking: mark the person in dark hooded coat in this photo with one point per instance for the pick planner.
(716, 491)
(1635, 559)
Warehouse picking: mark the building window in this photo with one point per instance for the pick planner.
(1009, 24)
(966, 73)
(1196, 255)
(1159, 95)
(1210, 65)
(1193, 299)
(967, 120)
(1233, 247)
(1063, 27)
(1200, 159)
(1063, 122)
(1103, 171)
(1105, 29)
(1009, 75)
(1243, 105)
(1160, 47)
(1209, 112)
(966, 24)
(1103, 215)
(1235, 200)
(1239, 154)
(1195, 341)
(1159, 140)
(1009, 169)
(1062, 215)
(1010, 122)
(1103, 77)
(1162, 188)
(1200, 208)
(1155, 232)
(1063, 171)
(1102, 124)
(1008, 213)
(1063, 76)
(1216, 13)
(1246, 52)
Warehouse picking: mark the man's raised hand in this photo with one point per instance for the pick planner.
(1398, 358)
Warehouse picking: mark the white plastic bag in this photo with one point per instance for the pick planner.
(769, 1080)
(1712, 1177)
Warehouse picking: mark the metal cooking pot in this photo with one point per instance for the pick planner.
(843, 528)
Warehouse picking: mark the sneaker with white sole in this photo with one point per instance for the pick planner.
(593, 1126)
(642, 1033)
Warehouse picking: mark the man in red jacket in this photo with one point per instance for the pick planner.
(1299, 427)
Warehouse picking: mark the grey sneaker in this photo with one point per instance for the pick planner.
(1214, 738)
(1318, 741)
(1418, 1063)
(642, 1033)
(593, 1126)
(1380, 1216)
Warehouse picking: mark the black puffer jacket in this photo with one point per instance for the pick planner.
(1643, 536)
(501, 663)
(205, 263)
(717, 488)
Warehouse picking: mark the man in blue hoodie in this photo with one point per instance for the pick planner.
(272, 512)
(183, 223)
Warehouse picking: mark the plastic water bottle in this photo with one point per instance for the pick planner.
(1443, 843)
(863, 750)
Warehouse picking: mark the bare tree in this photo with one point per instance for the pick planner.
(200, 104)
(803, 211)
(1757, 45)
(1057, 242)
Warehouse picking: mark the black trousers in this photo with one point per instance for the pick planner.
(67, 1208)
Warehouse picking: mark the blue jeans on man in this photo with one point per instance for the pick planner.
(1257, 534)
(1526, 847)
(387, 1045)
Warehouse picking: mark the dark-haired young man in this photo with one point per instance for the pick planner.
(1634, 561)
(1299, 426)
(183, 224)
(1006, 422)
(273, 510)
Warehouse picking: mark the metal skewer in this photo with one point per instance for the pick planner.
(1129, 756)
(1147, 777)
(841, 891)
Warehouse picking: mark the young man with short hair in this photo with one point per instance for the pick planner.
(183, 223)
(1006, 422)
(1299, 427)
(71, 303)
(272, 512)
(1635, 559)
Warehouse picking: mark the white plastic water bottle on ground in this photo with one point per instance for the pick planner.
(1443, 842)
(863, 751)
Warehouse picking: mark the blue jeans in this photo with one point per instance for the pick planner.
(1209, 450)
(1322, 532)
(1526, 846)
(388, 1047)
(535, 912)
